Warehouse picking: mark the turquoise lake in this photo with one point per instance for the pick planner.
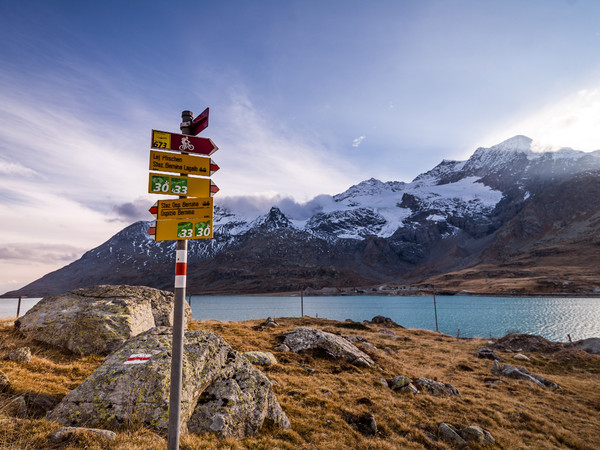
(553, 318)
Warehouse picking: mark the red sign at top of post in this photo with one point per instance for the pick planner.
(182, 143)
(200, 122)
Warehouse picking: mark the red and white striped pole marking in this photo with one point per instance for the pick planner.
(178, 325)
(180, 268)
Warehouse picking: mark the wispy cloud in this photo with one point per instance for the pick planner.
(356, 142)
(43, 253)
(259, 155)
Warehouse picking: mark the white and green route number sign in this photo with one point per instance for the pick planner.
(168, 185)
(159, 183)
(191, 229)
(169, 230)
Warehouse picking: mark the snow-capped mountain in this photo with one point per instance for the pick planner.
(458, 215)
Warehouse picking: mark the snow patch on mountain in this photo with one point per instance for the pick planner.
(448, 192)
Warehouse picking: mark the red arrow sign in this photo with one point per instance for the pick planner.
(182, 143)
(200, 122)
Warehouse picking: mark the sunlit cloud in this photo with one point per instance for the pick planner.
(571, 122)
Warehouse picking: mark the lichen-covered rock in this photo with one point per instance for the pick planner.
(20, 355)
(399, 382)
(436, 388)
(335, 346)
(133, 384)
(237, 403)
(99, 319)
(260, 358)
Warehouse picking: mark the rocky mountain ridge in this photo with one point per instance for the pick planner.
(507, 210)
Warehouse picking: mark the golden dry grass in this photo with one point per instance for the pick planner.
(517, 413)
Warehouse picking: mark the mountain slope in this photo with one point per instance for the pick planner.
(462, 225)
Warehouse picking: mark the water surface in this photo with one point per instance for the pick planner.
(553, 318)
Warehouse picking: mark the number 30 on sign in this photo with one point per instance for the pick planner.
(164, 184)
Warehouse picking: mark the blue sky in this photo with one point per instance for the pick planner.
(306, 98)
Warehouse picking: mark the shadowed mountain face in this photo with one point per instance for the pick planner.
(507, 220)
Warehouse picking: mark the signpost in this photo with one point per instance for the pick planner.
(189, 217)
(164, 140)
(200, 122)
(190, 228)
(188, 164)
(183, 208)
(160, 183)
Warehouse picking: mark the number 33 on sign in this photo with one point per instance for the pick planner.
(170, 230)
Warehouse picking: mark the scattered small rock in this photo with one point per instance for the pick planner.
(308, 369)
(388, 350)
(282, 348)
(38, 405)
(403, 384)
(260, 358)
(488, 354)
(21, 355)
(385, 321)
(269, 323)
(449, 433)
(364, 401)
(477, 434)
(516, 342)
(436, 388)
(399, 382)
(365, 423)
(21, 404)
(590, 345)
(522, 357)
(383, 382)
(368, 347)
(388, 332)
(520, 373)
(68, 432)
(335, 346)
(496, 367)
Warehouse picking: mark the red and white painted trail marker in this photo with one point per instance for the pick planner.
(138, 358)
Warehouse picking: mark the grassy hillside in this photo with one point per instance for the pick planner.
(324, 398)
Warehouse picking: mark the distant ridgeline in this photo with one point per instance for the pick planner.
(507, 220)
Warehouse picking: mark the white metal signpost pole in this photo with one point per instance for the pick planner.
(178, 319)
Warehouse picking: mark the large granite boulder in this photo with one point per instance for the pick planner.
(99, 319)
(335, 346)
(221, 393)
